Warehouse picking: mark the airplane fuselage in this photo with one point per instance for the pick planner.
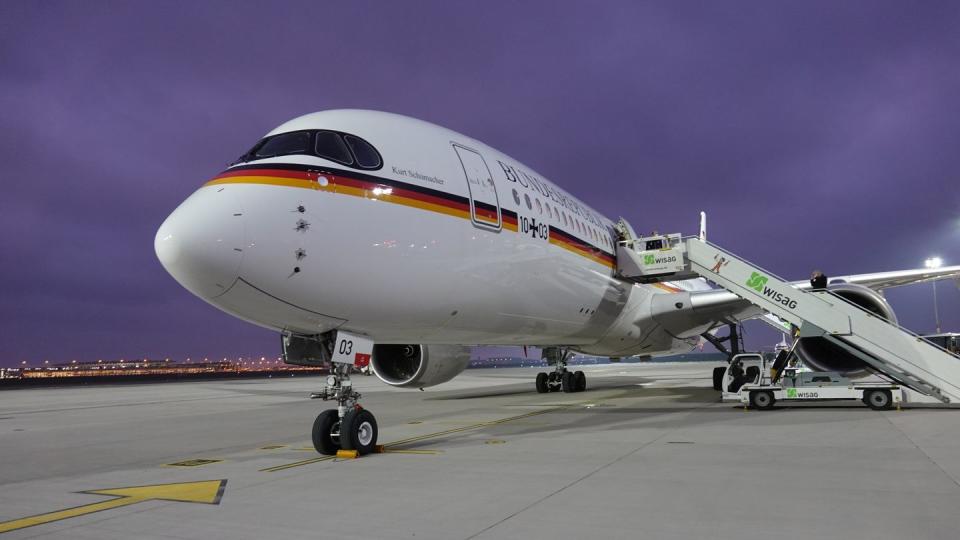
(447, 241)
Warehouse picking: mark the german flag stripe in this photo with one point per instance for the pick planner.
(393, 191)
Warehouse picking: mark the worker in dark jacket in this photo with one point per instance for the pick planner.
(818, 280)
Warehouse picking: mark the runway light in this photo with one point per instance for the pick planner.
(933, 262)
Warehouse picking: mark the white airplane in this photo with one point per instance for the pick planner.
(369, 236)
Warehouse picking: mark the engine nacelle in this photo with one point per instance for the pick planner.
(821, 355)
(418, 366)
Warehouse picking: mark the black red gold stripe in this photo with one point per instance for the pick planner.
(385, 189)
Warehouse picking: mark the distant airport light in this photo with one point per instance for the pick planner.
(933, 262)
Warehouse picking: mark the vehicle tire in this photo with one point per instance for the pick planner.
(878, 400)
(323, 426)
(718, 378)
(542, 387)
(762, 399)
(579, 381)
(358, 431)
(566, 382)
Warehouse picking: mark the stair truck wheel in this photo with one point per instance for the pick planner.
(878, 400)
(718, 378)
(762, 399)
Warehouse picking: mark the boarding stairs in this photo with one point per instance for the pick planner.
(885, 346)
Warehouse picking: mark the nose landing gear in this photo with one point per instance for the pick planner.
(560, 378)
(349, 426)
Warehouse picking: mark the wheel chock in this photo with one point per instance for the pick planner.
(347, 454)
(379, 449)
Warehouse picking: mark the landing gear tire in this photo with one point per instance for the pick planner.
(718, 378)
(566, 381)
(542, 387)
(358, 431)
(579, 381)
(553, 381)
(878, 400)
(762, 399)
(325, 428)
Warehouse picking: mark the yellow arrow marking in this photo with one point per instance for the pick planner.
(206, 492)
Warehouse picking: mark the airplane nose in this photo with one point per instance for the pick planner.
(201, 243)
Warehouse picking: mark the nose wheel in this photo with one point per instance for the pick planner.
(349, 426)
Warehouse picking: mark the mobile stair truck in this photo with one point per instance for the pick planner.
(909, 361)
(748, 380)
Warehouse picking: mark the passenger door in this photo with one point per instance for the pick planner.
(484, 204)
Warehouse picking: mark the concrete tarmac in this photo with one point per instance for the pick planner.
(648, 451)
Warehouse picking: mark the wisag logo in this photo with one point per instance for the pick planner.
(653, 259)
(757, 281)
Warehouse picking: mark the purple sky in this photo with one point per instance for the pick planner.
(815, 134)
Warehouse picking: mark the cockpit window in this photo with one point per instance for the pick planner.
(330, 146)
(284, 144)
(342, 148)
(367, 156)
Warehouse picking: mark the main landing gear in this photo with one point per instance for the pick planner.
(349, 426)
(560, 378)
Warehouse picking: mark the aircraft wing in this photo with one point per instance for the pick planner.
(736, 308)
(886, 280)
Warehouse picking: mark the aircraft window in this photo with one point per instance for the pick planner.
(556, 214)
(330, 146)
(547, 205)
(565, 220)
(529, 203)
(366, 154)
(516, 198)
(539, 206)
(284, 144)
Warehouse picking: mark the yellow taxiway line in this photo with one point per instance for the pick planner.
(205, 492)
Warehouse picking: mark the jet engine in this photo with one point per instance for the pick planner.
(418, 366)
(821, 355)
